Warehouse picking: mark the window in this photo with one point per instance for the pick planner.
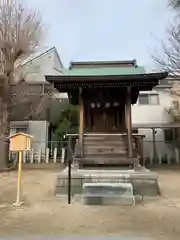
(176, 105)
(153, 99)
(149, 99)
(135, 131)
(168, 135)
(23, 130)
(143, 99)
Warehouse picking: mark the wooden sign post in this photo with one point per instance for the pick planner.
(20, 142)
(18, 197)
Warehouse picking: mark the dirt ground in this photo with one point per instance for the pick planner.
(43, 214)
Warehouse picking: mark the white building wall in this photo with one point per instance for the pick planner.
(154, 114)
(57, 64)
(47, 63)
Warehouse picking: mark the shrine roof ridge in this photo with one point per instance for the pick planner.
(154, 76)
(103, 71)
(132, 62)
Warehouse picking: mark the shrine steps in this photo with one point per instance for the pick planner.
(111, 150)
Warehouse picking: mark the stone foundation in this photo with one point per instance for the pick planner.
(144, 182)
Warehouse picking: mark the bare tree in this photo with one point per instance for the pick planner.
(174, 3)
(174, 110)
(21, 33)
(30, 102)
(169, 58)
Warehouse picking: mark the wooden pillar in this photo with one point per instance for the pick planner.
(118, 120)
(174, 139)
(154, 145)
(129, 121)
(81, 121)
(89, 117)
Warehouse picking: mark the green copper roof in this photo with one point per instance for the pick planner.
(104, 71)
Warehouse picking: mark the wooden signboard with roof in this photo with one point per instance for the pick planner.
(20, 142)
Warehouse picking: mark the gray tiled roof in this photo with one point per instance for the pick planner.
(167, 82)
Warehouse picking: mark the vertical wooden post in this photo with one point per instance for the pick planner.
(129, 121)
(69, 148)
(174, 141)
(47, 155)
(32, 156)
(81, 121)
(62, 155)
(154, 145)
(118, 119)
(19, 183)
(39, 156)
(55, 155)
(88, 118)
(177, 155)
(24, 157)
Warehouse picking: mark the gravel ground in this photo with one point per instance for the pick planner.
(43, 214)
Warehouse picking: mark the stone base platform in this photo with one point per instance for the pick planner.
(143, 181)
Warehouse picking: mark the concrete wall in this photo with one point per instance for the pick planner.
(12, 131)
(39, 131)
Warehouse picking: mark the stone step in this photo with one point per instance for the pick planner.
(104, 193)
(117, 188)
(108, 200)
